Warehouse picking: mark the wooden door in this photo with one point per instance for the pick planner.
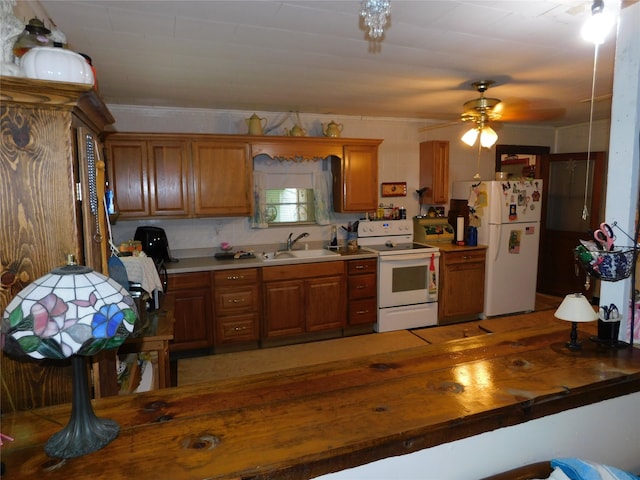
(128, 173)
(283, 308)
(324, 304)
(222, 178)
(434, 172)
(169, 178)
(562, 224)
(355, 179)
(193, 310)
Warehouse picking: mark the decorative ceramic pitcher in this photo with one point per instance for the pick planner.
(254, 123)
(297, 131)
(333, 129)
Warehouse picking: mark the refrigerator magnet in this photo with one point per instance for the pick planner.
(513, 213)
(514, 241)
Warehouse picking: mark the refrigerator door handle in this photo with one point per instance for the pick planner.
(498, 235)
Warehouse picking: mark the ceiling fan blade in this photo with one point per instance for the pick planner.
(437, 126)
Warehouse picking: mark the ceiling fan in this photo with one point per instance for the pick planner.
(480, 111)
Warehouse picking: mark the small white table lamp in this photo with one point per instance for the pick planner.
(575, 308)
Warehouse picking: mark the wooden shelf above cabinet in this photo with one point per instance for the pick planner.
(303, 148)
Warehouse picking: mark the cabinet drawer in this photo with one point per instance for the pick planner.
(182, 281)
(238, 328)
(240, 276)
(363, 311)
(472, 256)
(362, 286)
(305, 270)
(234, 300)
(368, 265)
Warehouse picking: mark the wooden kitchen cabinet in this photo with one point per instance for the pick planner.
(149, 178)
(51, 191)
(237, 306)
(355, 178)
(461, 288)
(222, 178)
(362, 291)
(303, 298)
(434, 172)
(192, 298)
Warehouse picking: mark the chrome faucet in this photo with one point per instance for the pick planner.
(291, 243)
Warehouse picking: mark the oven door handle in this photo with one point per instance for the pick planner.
(409, 256)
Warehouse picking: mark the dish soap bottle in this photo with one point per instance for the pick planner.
(433, 281)
(334, 237)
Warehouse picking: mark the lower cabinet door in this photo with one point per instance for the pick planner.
(283, 308)
(324, 304)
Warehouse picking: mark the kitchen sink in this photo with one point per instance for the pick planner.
(299, 254)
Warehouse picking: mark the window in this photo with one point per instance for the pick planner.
(290, 205)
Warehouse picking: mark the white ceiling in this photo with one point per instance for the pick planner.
(314, 56)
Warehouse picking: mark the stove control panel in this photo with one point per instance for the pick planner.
(384, 228)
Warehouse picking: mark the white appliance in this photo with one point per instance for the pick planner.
(508, 216)
(407, 275)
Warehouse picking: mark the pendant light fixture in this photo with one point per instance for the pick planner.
(375, 14)
(599, 24)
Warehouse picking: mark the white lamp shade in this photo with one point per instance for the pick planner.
(470, 137)
(488, 137)
(575, 308)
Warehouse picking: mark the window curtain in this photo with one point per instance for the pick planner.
(322, 182)
(258, 219)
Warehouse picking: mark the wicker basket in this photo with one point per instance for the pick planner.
(607, 266)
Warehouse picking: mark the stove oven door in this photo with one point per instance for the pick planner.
(408, 279)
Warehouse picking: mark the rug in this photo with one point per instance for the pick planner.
(227, 365)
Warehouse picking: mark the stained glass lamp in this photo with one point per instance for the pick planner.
(71, 312)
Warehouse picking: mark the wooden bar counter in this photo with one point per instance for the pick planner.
(313, 420)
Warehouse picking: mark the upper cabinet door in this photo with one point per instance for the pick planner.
(168, 178)
(355, 179)
(149, 178)
(434, 171)
(222, 178)
(128, 174)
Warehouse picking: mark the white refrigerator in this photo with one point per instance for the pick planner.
(507, 215)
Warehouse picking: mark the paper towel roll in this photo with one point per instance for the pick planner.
(460, 229)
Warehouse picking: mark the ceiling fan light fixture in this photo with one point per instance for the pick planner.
(598, 25)
(488, 137)
(470, 136)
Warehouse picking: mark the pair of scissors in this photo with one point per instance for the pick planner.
(604, 236)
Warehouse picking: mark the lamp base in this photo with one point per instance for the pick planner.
(85, 433)
(573, 343)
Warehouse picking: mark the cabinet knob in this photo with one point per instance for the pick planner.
(236, 300)
(360, 287)
(362, 312)
(238, 329)
(235, 277)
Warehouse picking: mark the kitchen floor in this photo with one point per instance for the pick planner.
(228, 365)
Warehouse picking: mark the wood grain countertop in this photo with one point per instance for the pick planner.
(309, 421)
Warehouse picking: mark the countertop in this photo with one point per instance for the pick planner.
(313, 420)
(452, 247)
(203, 260)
